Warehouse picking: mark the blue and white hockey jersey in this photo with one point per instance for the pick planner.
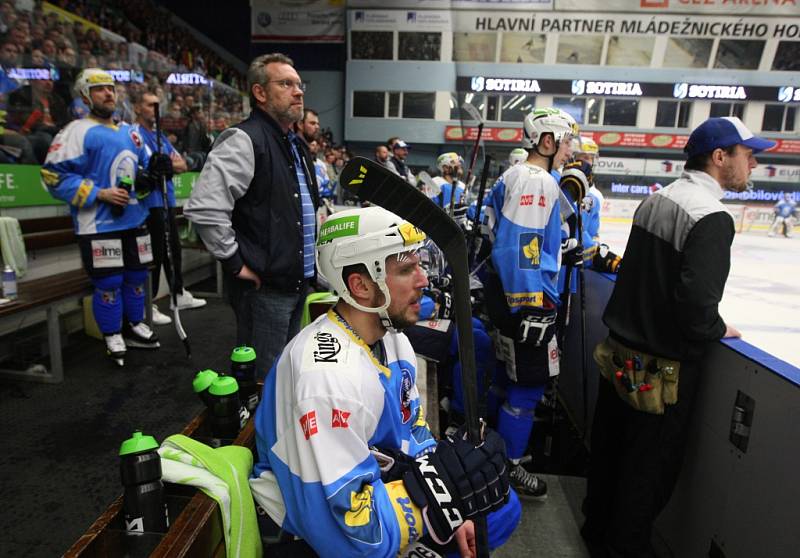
(86, 156)
(155, 198)
(324, 182)
(443, 198)
(785, 208)
(326, 402)
(524, 218)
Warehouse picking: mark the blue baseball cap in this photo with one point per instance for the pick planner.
(723, 132)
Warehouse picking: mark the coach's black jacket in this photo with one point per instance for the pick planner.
(665, 301)
(246, 204)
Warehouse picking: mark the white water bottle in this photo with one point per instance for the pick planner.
(9, 282)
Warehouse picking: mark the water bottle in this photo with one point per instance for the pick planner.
(10, 283)
(126, 183)
(228, 416)
(243, 368)
(143, 503)
(202, 381)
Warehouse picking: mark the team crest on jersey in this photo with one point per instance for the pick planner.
(405, 394)
(137, 139)
(530, 250)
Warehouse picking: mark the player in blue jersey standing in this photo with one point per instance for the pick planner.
(346, 459)
(144, 107)
(521, 291)
(95, 167)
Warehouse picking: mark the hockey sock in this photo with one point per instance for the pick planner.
(107, 303)
(515, 420)
(133, 294)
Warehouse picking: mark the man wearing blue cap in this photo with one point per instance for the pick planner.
(662, 316)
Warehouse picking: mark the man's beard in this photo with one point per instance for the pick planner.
(401, 322)
(729, 181)
(102, 112)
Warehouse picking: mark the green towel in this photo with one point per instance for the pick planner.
(222, 474)
(13, 246)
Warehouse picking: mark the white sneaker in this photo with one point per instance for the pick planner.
(186, 301)
(160, 318)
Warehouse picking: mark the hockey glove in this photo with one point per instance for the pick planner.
(571, 253)
(145, 183)
(444, 304)
(605, 260)
(458, 481)
(160, 166)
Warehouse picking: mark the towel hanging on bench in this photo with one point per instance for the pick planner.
(13, 245)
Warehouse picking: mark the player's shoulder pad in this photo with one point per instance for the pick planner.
(326, 346)
(69, 142)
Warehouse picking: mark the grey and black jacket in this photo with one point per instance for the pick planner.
(665, 301)
(246, 203)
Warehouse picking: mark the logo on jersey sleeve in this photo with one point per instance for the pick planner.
(405, 395)
(328, 347)
(136, 138)
(340, 418)
(308, 422)
(530, 250)
(360, 507)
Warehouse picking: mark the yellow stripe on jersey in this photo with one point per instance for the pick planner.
(335, 318)
(421, 418)
(49, 177)
(409, 516)
(517, 300)
(84, 190)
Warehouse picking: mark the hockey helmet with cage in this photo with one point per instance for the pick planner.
(517, 156)
(366, 236)
(450, 160)
(548, 120)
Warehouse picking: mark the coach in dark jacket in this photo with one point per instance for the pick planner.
(254, 207)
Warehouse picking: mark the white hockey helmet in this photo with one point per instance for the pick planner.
(583, 145)
(92, 77)
(367, 236)
(548, 120)
(450, 159)
(517, 156)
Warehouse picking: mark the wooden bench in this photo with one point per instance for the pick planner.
(48, 293)
(196, 531)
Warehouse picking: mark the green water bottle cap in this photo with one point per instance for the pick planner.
(138, 443)
(243, 354)
(223, 385)
(126, 180)
(203, 379)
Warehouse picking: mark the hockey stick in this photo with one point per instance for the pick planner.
(474, 115)
(582, 288)
(476, 222)
(376, 184)
(168, 241)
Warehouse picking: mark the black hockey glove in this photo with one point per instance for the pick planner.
(145, 183)
(160, 166)
(605, 260)
(458, 481)
(571, 253)
(444, 303)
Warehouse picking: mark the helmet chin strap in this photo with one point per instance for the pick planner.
(550, 158)
(381, 311)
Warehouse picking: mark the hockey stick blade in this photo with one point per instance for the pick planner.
(376, 184)
(432, 189)
(472, 112)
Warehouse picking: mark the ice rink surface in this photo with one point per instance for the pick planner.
(762, 295)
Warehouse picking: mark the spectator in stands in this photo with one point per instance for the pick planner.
(400, 151)
(662, 317)
(382, 158)
(262, 226)
(144, 107)
(196, 141)
(38, 114)
(308, 127)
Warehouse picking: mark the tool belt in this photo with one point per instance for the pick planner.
(645, 382)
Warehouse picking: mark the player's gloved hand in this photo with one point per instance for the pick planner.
(442, 281)
(145, 183)
(571, 252)
(605, 260)
(458, 481)
(160, 166)
(444, 303)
